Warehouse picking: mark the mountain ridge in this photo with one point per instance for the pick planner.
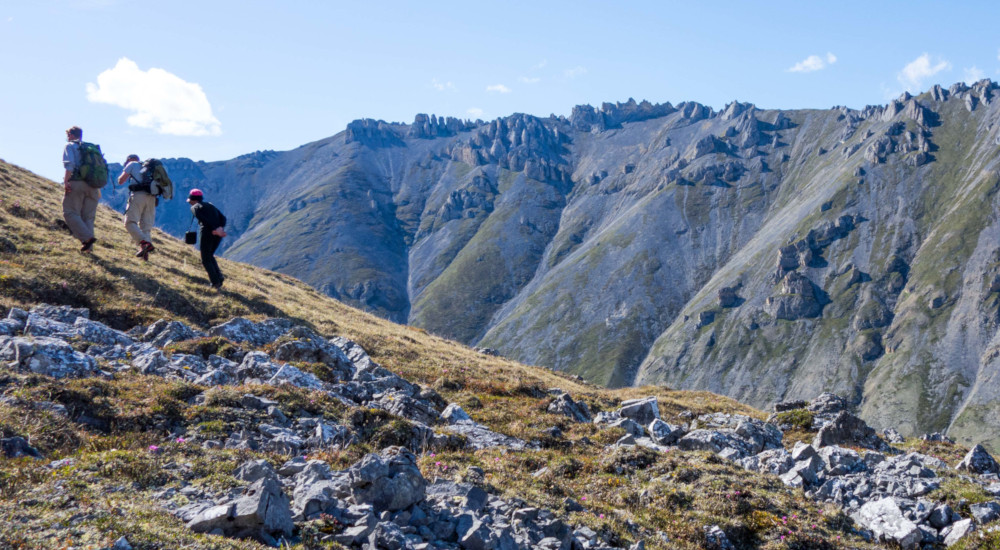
(603, 243)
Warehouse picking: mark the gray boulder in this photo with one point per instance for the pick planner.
(893, 436)
(388, 536)
(978, 461)
(389, 480)
(942, 516)
(254, 470)
(956, 532)
(847, 429)
(566, 406)
(827, 403)
(308, 347)
(47, 356)
(716, 539)
(256, 366)
(839, 461)
(163, 332)
(96, 333)
(887, 523)
(985, 512)
(37, 325)
(320, 497)
(287, 374)
(664, 433)
(62, 314)
(256, 334)
(262, 513)
(454, 413)
(642, 411)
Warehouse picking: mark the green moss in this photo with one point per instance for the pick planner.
(799, 418)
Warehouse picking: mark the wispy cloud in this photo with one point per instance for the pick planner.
(973, 74)
(475, 111)
(813, 63)
(575, 72)
(540, 65)
(159, 100)
(914, 74)
(442, 86)
(530, 79)
(498, 88)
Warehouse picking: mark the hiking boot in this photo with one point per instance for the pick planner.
(145, 248)
(88, 245)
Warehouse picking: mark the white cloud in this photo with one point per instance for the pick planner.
(973, 74)
(813, 63)
(541, 64)
(160, 100)
(914, 74)
(530, 79)
(575, 72)
(475, 111)
(499, 88)
(442, 86)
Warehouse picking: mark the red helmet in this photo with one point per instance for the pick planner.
(196, 193)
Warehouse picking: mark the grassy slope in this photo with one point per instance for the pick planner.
(107, 492)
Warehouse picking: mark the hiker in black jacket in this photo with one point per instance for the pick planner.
(212, 223)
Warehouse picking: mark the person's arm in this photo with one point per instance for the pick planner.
(126, 174)
(69, 163)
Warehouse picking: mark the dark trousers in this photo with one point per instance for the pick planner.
(209, 243)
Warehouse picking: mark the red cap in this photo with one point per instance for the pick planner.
(196, 193)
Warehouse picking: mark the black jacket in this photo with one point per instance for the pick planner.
(209, 217)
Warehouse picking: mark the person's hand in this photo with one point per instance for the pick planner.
(67, 187)
(219, 232)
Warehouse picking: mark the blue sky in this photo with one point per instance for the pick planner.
(211, 80)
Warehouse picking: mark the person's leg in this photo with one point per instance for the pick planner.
(209, 243)
(147, 218)
(72, 212)
(133, 215)
(91, 198)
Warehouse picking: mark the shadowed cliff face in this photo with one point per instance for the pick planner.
(762, 254)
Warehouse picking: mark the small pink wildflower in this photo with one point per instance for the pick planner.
(153, 448)
(181, 440)
(583, 498)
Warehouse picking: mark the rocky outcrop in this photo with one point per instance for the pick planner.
(796, 298)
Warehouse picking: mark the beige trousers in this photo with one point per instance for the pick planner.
(140, 216)
(80, 209)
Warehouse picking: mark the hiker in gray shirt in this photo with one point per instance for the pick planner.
(80, 201)
(140, 214)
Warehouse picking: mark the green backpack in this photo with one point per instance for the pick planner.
(93, 168)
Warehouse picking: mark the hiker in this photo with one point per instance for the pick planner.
(212, 223)
(82, 196)
(140, 213)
